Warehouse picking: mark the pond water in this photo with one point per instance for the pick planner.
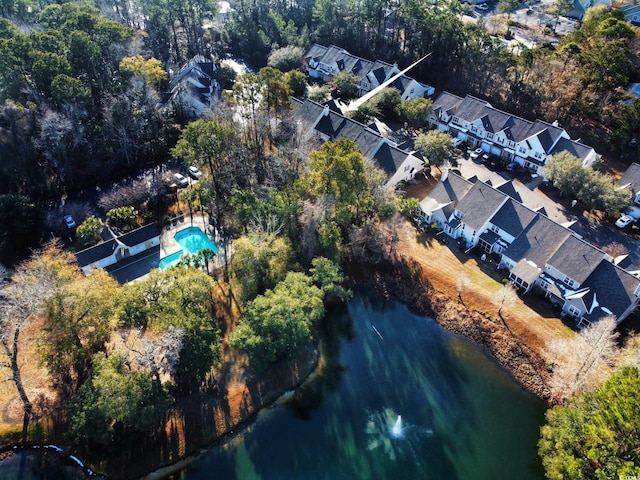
(399, 398)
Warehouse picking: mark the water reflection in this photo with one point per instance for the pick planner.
(403, 400)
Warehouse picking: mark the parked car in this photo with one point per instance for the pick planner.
(457, 142)
(482, 6)
(624, 221)
(194, 172)
(476, 153)
(69, 221)
(181, 180)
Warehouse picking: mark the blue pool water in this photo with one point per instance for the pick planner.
(170, 260)
(192, 240)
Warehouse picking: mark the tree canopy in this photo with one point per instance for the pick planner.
(115, 407)
(437, 148)
(278, 323)
(595, 189)
(595, 435)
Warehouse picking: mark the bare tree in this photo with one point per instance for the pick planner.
(630, 354)
(462, 283)
(615, 249)
(161, 355)
(21, 299)
(504, 298)
(583, 361)
(313, 214)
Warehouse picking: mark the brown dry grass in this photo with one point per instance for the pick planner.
(531, 319)
(35, 380)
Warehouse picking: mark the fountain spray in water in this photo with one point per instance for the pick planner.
(396, 430)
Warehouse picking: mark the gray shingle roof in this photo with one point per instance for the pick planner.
(494, 121)
(508, 188)
(446, 194)
(452, 189)
(576, 149)
(576, 259)
(547, 134)
(479, 204)
(471, 108)
(513, 217)
(140, 235)
(446, 102)
(337, 126)
(517, 129)
(389, 159)
(103, 250)
(614, 290)
(526, 271)
(631, 178)
(95, 253)
(316, 52)
(538, 241)
(306, 111)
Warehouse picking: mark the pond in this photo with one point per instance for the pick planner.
(399, 397)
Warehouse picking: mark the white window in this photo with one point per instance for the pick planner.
(495, 229)
(490, 135)
(573, 310)
(522, 150)
(637, 200)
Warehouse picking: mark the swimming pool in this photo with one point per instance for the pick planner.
(192, 240)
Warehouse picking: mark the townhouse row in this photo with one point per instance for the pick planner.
(583, 280)
(528, 144)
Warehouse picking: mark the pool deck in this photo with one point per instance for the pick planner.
(138, 267)
(168, 243)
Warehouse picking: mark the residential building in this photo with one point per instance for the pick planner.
(580, 7)
(529, 144)
(194, 88)
(325, 62)
(317, 121)
(631, 14)
(538, 252)
(119, 248)
(631, 180)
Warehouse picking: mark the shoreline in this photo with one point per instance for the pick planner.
(404, 280)
(390, 280)
(167, 470)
